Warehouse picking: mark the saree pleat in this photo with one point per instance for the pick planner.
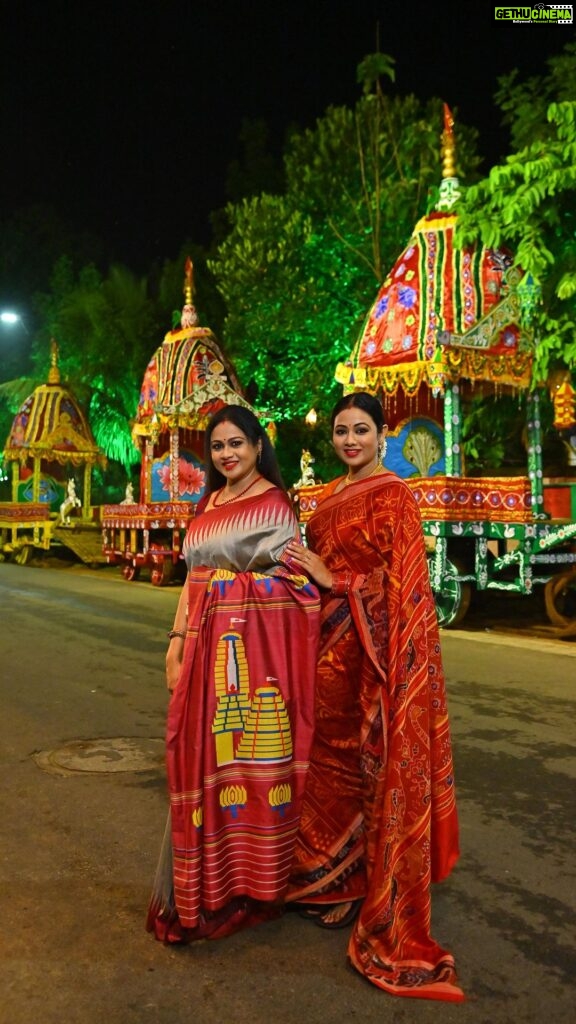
(379, 818)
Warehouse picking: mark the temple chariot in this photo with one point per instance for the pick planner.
(51, 453)
(447, 324)
(186, 381)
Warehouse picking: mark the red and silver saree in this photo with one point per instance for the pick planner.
(379, 818)
(240, 724)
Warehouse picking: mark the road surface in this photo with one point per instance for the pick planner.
(83, 699)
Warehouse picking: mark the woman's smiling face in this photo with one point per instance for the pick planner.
(233, 454)
(355, 439)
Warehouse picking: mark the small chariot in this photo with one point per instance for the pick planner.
(50, 442)
(185, 382)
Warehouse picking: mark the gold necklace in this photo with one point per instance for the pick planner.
(227, 501)
(378, 468)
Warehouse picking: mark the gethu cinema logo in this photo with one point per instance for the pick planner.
(539, 13)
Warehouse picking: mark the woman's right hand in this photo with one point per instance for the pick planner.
(312, 564)
(174, 656)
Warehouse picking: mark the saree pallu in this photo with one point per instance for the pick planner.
(239, 727)
(379, 819)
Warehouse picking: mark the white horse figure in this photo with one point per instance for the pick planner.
(70, 502)
(129, 495)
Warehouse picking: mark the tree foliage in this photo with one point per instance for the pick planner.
(107, 326)
(106, 329)
(257, 169)
(493, 434)
(524, 104)
(298, 270)
(527, 204)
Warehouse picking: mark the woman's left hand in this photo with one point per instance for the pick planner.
(174, 656)
(312, 565)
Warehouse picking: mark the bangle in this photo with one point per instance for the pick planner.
(176, 632)
(341, 583)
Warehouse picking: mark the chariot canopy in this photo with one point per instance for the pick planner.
(186, 381)
(188, 378)
(443, 314)
(50, 431)
(51, 425)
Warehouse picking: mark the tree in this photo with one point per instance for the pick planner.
(298, 270)
(32, 239)
(107, 326)
(106, 329)
(527, 204)
(524, 104)
(166, 289)
(257, 169)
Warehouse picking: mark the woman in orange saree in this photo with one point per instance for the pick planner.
(379, 821)
(241, 664)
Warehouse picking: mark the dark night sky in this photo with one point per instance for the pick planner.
(125, 115)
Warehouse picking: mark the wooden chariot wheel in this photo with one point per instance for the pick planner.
(453, 600)
(560, 600)
(130, 572)
(161, 566)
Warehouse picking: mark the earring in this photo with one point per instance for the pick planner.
(382, 449)
(259, 457)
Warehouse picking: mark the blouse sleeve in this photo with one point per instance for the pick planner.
(271, 539)
(269, 546)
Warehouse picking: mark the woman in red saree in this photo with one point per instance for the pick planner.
(241, 664)
(379, 819)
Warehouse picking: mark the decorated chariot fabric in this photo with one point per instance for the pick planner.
(240, 724)
(379, 819)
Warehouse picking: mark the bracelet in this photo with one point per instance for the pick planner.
(341, 583)
(176, 632)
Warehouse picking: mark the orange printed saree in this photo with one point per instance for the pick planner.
(239, 725)
(379, 817)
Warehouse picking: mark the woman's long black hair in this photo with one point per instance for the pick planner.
(245, 420)
(361, 400)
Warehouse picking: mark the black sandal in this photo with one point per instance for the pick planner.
(311, 911)
(317, 913)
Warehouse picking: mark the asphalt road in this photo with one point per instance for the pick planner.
(81, 659)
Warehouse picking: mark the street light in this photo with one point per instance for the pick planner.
(9, 317)
(15, 347)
